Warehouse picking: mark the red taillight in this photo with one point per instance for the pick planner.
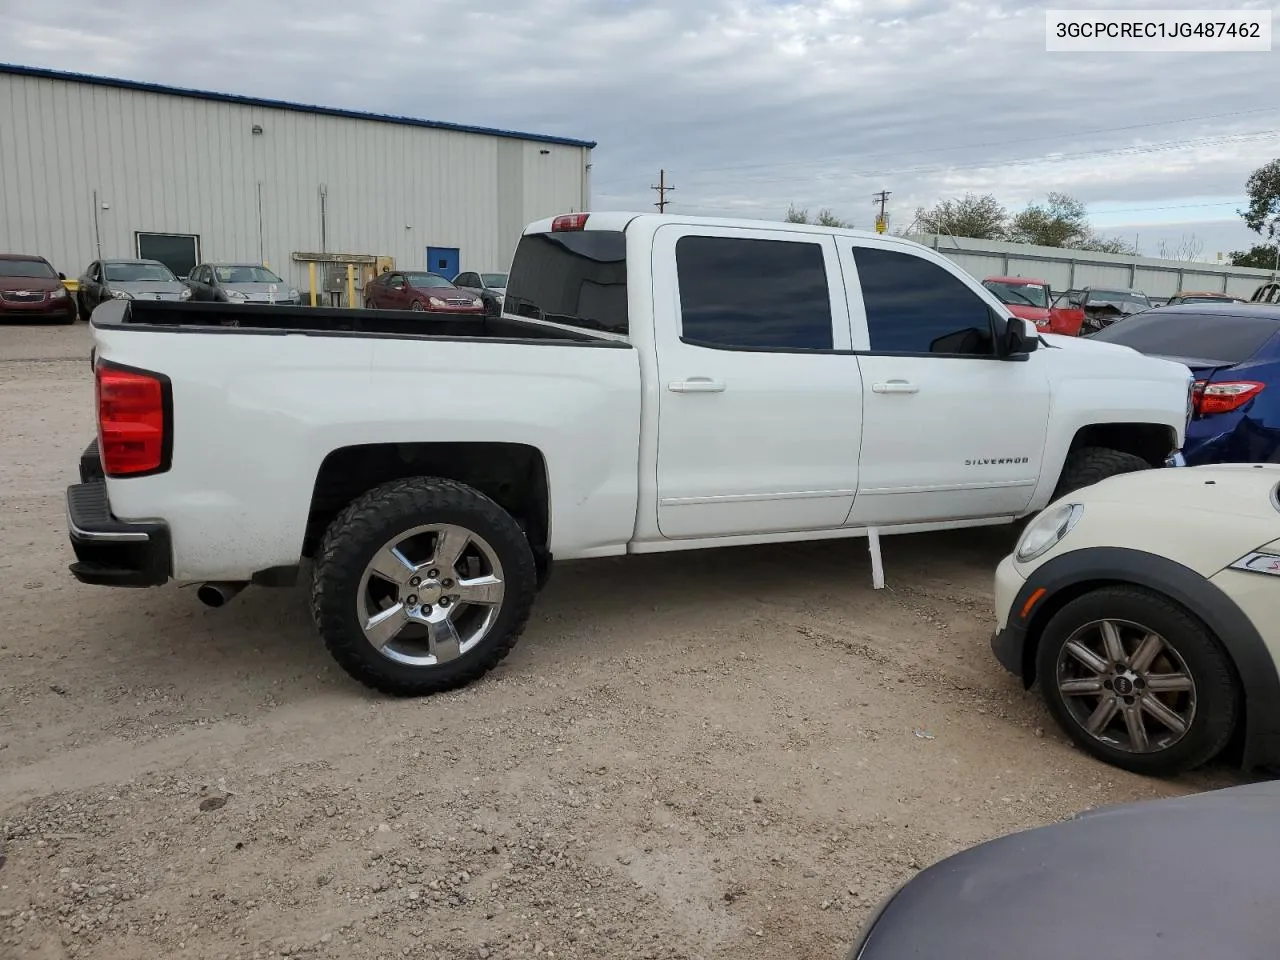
(1210, 398)
(569, 221)
(133, 428)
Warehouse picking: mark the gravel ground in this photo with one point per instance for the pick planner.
(721, 754)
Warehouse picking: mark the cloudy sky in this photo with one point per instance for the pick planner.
(750, 105)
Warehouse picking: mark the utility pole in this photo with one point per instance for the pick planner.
(882, 224)
(663, 189)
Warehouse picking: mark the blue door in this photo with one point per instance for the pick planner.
(444, 261)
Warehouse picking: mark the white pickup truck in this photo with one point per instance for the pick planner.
(655, 383)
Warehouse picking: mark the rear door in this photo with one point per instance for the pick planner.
(950, 431)
(759, 399)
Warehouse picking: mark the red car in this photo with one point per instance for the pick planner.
(1028, 298)
(30, 289)
(421, 292)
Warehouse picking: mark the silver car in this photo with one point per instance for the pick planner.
(127, 280)
(239, 283)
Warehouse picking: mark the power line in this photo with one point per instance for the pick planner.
(663, 189)
(1020, 162)
(881, 198)
(845, 158)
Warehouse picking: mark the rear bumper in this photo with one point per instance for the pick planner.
(111, 552)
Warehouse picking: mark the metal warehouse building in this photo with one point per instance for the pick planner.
(92, 167)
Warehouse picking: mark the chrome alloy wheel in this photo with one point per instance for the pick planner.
(1126, 686)
(430, 595)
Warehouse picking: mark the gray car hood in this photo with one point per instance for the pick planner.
(149, 289)
(1190, 878)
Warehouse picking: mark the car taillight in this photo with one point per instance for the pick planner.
(569, 221)
(1212, 398)
(134, 414)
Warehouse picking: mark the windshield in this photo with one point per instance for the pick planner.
(139, 273)
(421, 280)
(27, 268)
(1121, 298)
(1217, 340)
(494, 279)
(1019, 294)
(245, 274)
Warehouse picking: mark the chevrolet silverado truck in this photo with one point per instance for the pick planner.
(654, 383)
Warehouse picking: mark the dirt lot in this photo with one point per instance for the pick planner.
(722, 754)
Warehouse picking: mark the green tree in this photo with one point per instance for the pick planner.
(981, 217)
(825, 217)
(1259, 255)
(1263, 188)
(1061, 222)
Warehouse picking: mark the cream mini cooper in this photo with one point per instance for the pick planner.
(1147, 606)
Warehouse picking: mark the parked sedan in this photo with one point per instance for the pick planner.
(1103, 307)
(1234, 352)
(30, 289)
(1147, 606)
(489, 287)
(1195, 296)
(1180, 878)
(421, 292)
(105, 280)
(239, 283)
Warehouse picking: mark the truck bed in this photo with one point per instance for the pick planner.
(267, 319)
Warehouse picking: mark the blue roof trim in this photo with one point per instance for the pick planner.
(46, 74)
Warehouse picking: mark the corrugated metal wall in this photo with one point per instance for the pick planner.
(1067, 269)
(168, 164)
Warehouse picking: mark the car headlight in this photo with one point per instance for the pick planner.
(293, 294)
(185, 294)
(236, 296)
(58, 293)
(435, 301)
(477, 302)
(121, 295)
(1047, 530)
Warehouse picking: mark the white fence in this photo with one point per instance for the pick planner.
(1072, 269)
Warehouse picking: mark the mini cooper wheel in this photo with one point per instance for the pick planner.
(1137, 681)
(422, 585)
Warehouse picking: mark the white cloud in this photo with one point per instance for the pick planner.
(749, 104)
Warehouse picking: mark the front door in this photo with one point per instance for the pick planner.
(759, 416)
(444, 261)
(950, 431)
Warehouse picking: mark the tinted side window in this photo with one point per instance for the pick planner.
(761, 294)
(576, 278)
(914, 306)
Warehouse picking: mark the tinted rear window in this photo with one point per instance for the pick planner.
(1194, 336)
(577, 278)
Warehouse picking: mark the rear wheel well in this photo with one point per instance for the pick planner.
(511, 474)
(1153, 442)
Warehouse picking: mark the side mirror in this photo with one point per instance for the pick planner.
(61, 275)
(1017, 342)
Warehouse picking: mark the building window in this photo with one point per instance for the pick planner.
(753, 294)
(177, 251)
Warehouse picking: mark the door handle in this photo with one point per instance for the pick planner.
(696, 385)
(894, 386)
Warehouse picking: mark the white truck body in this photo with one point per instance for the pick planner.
(647, 435)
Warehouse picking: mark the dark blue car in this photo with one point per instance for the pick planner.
(1233, 349)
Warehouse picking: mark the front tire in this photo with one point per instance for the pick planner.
(1086, 466)
(422, 585)
(1137, 681)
